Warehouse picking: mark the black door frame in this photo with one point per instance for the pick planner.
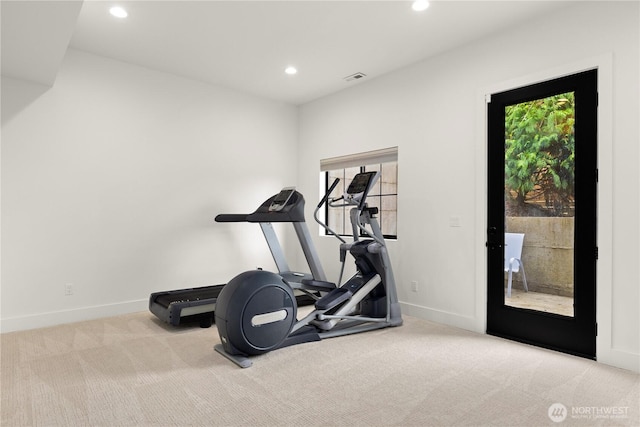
(577, 334)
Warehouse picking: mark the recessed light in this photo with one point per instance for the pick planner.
(291, 70)
(420, 5)
(118, 12)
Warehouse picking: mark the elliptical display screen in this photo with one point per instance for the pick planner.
(360, 182)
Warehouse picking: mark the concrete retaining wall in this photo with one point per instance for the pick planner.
(547, 253)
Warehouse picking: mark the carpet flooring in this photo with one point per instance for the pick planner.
(134, 370)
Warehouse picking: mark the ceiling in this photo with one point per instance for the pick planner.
(246, 45)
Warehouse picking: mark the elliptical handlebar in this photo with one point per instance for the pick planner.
(326, 196)
(324, 200)
(356, 195)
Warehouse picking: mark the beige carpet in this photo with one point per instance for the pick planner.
(134, 371)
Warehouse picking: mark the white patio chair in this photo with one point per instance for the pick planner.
(512, 258)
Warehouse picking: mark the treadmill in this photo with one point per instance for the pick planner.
(186, 305)
(198, 304)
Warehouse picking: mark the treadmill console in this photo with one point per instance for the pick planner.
(281, 199)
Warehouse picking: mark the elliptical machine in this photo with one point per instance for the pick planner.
(256, 311)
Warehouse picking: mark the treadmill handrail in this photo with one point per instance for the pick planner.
(293, 211)
(232, 217)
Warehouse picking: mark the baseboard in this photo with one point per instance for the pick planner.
(439, 316)
(607, 356)
(619, 359)
(43, 320)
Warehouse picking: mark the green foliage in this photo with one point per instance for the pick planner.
(540, 153)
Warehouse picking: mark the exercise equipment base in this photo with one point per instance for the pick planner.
(193, 305)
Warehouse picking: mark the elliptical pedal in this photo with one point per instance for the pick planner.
(333, 299)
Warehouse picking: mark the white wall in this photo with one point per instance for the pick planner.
(430, 111)
(111, 180)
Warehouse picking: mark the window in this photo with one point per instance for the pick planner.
(384, 195)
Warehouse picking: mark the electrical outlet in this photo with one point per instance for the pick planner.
(68, 289)
(414, 286)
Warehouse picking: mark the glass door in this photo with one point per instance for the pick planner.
(541, 214)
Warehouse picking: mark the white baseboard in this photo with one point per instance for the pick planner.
(43, 320)
(447, 318)
(619, 359)
(605, 355)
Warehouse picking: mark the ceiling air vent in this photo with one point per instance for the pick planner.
(356, 76)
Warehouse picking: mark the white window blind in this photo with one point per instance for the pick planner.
(354, 160)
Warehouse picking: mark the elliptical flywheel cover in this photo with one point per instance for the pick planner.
(255, 312)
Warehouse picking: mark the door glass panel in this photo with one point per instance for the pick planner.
(540, 204)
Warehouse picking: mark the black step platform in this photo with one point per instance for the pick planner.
(194, 305)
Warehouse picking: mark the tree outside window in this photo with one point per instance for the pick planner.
(540, 156)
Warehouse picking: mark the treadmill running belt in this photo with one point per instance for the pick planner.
(195, 294)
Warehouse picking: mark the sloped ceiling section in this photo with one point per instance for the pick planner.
(35, 37)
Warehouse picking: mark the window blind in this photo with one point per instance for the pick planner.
(360, 159)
